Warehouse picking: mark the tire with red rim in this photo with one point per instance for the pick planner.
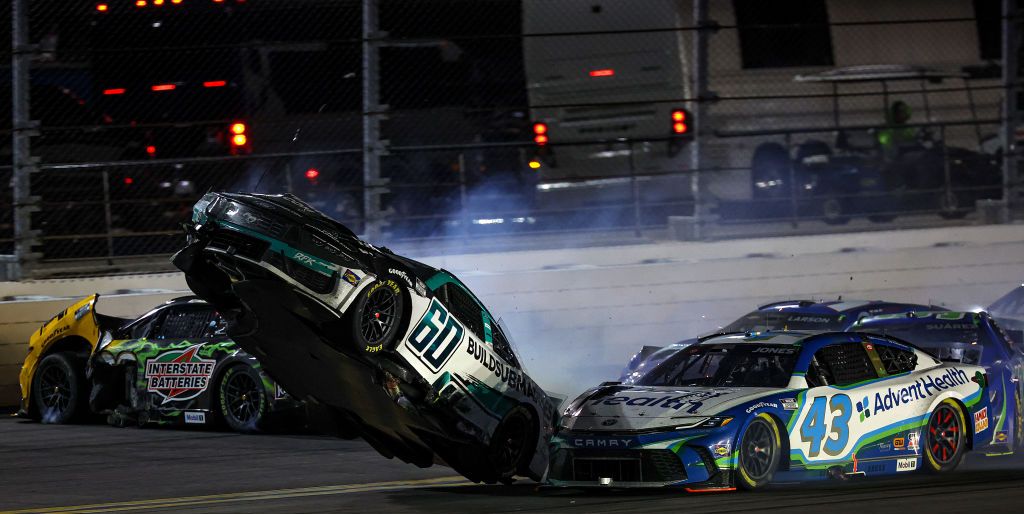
(944, 438)
(378, 316)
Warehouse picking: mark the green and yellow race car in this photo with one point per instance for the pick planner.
(172, 365)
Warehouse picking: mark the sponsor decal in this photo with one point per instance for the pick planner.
(777, 351)
(279, 392)
(949, 326)
(761, 405)
(721, 449)
(583, 442)
(810, 319)
(82, 311)
(402, 274)
(864, 408)
(921, 388)
(178, 374)
(301, 257)
(436, 337)
(913, 441)
(512, 377)
(789, 403)
(906, 464)
(195, 418)
(899, 443)
(1001, 436)
(884, 447)
(981, 420)
(692, 401)
(350, 277)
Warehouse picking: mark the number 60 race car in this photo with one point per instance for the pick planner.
(403, 353)
(741, 410)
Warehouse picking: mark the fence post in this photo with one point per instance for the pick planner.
(373, 185)
(23, 129)
(1009, 114)
(700, 86)
(635, 190)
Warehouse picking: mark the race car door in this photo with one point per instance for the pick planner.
(850, 418)
(176, 373)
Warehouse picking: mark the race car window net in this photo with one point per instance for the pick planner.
(844, 364)
(465, 309)
(733, 365)
(185, 323)
(964, 345)
(758, 321)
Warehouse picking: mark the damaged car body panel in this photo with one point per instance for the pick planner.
(402, 352)
(173, 365)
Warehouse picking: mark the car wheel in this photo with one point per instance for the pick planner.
(243, 399)
(511, 444)
(378, 315)
(833, 211)
(944, 438)
(759, 450)
(59, 389)
(769, 165)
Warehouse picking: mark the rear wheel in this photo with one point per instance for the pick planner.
(944, 438)
(59, 390)
(758, 453)
(378, 315)
(243, 398)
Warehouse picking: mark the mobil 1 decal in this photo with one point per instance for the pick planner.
(177, 375)
(831, 423)
(436, 337)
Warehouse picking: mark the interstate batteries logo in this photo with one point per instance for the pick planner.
(179, 374)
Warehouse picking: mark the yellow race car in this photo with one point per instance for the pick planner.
(172, 365)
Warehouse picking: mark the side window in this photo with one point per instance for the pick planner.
(502, 347)
(896, 360)
(843, 364)
(185, 322)
(465, 309)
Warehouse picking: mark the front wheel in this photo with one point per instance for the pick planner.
(59, 389)
(758, 453)
(944, 438)
(510, 448)
(243, 399)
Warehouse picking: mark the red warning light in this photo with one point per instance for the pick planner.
(114, 91)
(140, 3)
(239, 140)
(606, 72)
(540, 139)
(158, 2)
(679, 128)
(678, 115)
(238, 128)
(215, 83)
(128, 181)
(151, 150)
(540, 128)
(312, 173)
(175, 2)
(163, 87)
(102, 7)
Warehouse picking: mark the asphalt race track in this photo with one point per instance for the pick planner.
(97, 469)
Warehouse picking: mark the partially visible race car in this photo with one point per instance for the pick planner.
(1008, 310)
(402, 352)
(970, 338)
(743, 410)
(172, 365)
(806, 315)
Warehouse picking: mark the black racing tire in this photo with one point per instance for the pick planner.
(59, 390)
(511, 445)
(379, 316)
(242, 399)
(759, 453)
(944, 438)
(834, 211)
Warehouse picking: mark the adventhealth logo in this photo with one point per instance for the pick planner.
(920, 389)
(864, 408)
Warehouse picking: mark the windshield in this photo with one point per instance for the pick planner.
(776, 321)
(726, 365)
(964, 345)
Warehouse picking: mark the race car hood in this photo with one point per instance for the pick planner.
(618, 407)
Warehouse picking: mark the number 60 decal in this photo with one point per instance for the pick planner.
(813, 430)
(436, 336)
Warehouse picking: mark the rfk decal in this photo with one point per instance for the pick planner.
(179, 374)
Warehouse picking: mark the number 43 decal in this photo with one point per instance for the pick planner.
(835, 433)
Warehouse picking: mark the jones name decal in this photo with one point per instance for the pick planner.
(179, 374)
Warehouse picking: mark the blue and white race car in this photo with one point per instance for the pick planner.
(743, 410)
(970, 338)
(782, 315)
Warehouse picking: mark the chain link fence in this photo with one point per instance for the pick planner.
(459, 120)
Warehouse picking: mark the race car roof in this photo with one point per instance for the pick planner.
(845, 306)
(918, 318)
